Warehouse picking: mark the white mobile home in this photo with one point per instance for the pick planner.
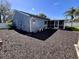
(28, 22)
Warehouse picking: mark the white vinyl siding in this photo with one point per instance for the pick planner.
(21, 21)
(39, 24)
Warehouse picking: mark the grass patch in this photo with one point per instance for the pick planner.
(72, 28)
(77, 27)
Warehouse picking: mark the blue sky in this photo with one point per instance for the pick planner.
(52, 8)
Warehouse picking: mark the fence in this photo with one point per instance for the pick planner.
(71, 23)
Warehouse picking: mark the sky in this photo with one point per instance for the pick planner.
(54, 9)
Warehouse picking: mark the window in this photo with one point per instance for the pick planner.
(45, 22)
(33, 21)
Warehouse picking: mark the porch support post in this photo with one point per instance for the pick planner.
(64, 25)
(54, 24)
(47, 25)
(58, 24)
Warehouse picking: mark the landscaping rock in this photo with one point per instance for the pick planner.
(58, 46)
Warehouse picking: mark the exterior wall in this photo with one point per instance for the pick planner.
(21, 21)
(38, 24)
(28, 23)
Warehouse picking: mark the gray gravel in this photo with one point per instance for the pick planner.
(58, 46)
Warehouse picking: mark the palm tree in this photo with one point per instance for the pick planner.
(71, 13)
(77, 12)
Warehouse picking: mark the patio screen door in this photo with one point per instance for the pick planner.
(56, 24)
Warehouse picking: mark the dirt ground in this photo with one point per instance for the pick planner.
(59, 45)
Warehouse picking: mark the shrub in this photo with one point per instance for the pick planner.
(9, 24)
(71, 28)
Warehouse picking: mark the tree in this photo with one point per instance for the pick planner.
(71, 13)
(77, 12)
(76, 15)
(42, 15)
(5, 10)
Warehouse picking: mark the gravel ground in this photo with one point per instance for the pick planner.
(59, 46)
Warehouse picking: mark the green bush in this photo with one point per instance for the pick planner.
(9, 24)
(71, 28)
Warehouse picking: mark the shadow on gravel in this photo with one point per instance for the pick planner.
(43, 35)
